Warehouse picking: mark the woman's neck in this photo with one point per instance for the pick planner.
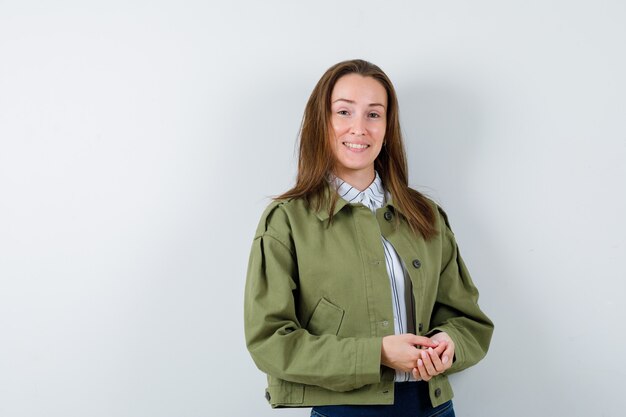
(359, 179)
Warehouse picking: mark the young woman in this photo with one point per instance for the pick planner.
(357, 301)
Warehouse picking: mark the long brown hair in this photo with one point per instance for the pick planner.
(316, 160)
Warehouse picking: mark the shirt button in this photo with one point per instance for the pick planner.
(416, 263)
(388, 215)
(420, 327)
(267, 396)
(438, 392)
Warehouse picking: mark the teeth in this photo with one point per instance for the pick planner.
(355, 145)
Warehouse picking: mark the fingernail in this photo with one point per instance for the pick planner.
(430, 350)
(419, 362)
(445, 359)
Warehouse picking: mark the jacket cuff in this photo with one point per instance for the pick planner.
(368, 361)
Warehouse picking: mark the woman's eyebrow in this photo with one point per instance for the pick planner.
(344, 99)
(353, 102)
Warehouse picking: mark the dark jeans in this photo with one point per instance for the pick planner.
(410, 400)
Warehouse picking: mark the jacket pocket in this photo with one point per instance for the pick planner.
(326, 318)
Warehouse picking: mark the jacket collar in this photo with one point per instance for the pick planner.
(323, 215)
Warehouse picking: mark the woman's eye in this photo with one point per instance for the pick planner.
(343, 112)
(374, 115)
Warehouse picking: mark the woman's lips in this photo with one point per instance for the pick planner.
(356, 147)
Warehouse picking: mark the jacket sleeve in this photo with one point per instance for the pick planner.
(456, 309)
(276, 339)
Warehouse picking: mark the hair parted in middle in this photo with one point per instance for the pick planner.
(316, 160)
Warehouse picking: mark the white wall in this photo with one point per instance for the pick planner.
(140, 139)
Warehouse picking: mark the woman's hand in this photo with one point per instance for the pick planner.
(402, 351)
(435, 361)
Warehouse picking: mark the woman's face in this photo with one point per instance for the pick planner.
(358, 107)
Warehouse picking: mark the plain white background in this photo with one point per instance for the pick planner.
(140, 141)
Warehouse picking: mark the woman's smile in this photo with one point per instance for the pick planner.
(356, 147)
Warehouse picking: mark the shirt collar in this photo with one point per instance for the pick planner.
(372, 197)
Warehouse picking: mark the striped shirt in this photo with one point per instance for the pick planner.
(374, 197)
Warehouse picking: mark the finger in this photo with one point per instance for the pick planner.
(447, 357)
(428, 364)
(416, 374)
(439, 350)
(424, 341)
(439, 367)
(422, 370)
(448, 351)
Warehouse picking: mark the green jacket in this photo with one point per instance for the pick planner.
(318, 302)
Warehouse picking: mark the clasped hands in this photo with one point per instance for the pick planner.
(423, 356)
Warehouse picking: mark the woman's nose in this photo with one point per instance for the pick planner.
(357, 128)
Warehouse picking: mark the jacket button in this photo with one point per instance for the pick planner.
(438, 392)
(416, 263)
(267, 396)
(420, 327)
(388, 215)
(384, 323)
